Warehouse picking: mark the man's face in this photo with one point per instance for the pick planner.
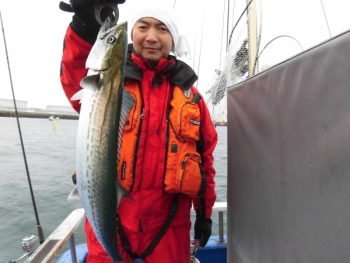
(151, 39)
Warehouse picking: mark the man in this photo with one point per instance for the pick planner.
(171, 138)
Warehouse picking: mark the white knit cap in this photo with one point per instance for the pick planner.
(181, 47)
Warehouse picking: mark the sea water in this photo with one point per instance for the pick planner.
(49, 152)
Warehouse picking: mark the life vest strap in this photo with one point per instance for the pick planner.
(157, 238)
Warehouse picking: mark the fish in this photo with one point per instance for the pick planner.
(105, 106)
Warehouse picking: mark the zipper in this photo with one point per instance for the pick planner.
(137, 154)
(166, 142)
(180, 122)
(180, 113)
(138, 140)
(184, 163)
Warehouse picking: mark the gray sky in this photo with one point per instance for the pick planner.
(35, 30)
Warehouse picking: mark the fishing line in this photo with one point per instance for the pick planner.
(222, 33)
(200, 49)
(228, 21)
(324, 12)
(194, 47)
(40, 231)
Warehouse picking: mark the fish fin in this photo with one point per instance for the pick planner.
(78, 95)
(128, 102)
(90, 82)
(74, 195)
(122, 192)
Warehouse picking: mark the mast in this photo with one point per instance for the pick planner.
(252, 36)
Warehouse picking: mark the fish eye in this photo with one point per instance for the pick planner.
(111, 40)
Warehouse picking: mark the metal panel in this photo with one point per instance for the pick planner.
(289, 160)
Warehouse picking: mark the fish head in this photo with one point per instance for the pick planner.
(110, 45)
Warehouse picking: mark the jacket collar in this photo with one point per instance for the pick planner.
(181, 74)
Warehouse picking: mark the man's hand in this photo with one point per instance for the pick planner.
(84, 21)
(85, 10)
(202, 231)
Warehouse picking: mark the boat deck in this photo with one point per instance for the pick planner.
(211, 253)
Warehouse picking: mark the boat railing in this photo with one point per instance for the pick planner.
(220, 208)
(52, 245)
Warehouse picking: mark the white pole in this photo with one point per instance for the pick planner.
(252, 36)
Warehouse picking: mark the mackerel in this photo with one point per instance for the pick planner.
(105, 106)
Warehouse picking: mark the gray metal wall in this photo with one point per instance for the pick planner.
(289, 160)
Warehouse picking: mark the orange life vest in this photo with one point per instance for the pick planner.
(183, 169)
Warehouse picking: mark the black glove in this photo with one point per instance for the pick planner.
(84, 21)
(202, 229)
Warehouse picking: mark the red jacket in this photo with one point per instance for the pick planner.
(150, 206)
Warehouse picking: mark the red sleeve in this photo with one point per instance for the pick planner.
(209, 140)
(75, 53)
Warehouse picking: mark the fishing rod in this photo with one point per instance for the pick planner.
(40, 231)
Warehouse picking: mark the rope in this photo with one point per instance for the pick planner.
(245, 9)
(324, 12)
(275, 39)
